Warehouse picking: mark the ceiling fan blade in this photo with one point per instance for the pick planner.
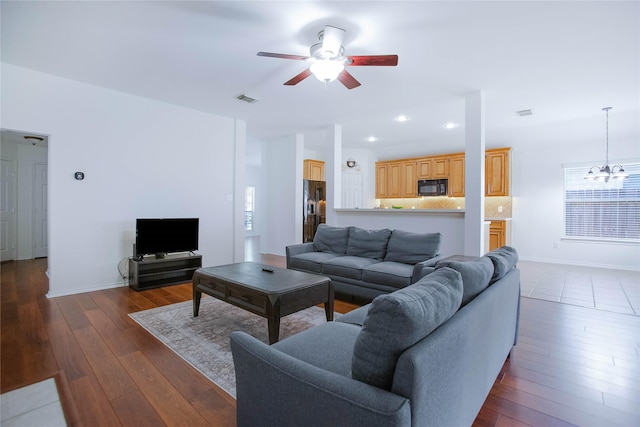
(348, 80)
(300, 77)
(378, 60)
(283, 56)
(332, 39)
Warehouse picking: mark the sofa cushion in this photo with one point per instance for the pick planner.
(331, 239)
(347, 266)
(389, 273)
(398, 320)
(476, 275)
(310, 261)
(327, 346)
(368, 243)
(411, 248)
(354, 317)
(504, 259)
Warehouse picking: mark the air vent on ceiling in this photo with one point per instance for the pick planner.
(248, 99)
(523, 113)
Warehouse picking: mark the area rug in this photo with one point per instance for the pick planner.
(203, 341)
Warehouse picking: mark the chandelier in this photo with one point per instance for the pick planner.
(606, 172)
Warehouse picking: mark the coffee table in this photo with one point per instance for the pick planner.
(267, 291)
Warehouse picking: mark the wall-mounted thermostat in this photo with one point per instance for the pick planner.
(79, 176)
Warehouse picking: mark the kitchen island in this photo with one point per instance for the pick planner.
(449, 222)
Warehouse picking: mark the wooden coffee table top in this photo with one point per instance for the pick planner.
(251, 275)
(267, 291)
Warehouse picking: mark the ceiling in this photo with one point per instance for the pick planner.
(564, 60)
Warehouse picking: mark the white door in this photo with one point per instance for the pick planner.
(40, 243)
(7, 210)
(351, 190)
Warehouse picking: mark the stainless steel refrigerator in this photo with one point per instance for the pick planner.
(314, 210)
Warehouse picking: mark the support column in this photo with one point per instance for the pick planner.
(238, 190)
(474, 173)
(333, 171)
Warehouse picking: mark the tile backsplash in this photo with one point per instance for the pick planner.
(492, 205)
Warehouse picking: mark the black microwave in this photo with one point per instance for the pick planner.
(433, 187)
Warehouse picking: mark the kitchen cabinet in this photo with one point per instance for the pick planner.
(456, 175)
(499, 234)
(432, 167)
(396, 179)
(313, 170)
(409, 182)
(381, 180)
(497, 168)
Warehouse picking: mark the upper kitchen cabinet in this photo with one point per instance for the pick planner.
(381, 180)
(456, 175)
(396, 179)
(497, 172)
(432, 167)
(313, 170)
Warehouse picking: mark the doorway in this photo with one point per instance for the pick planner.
(25, 163)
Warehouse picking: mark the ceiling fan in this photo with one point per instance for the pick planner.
(328, 60)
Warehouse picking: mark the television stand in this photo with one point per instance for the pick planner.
(152, 272)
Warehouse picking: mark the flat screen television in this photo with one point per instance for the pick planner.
(160, 236)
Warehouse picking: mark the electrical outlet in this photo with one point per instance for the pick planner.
(556, 244)
(500, 209)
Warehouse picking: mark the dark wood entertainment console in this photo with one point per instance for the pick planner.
(151, 272)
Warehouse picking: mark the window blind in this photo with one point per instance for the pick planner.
(599, 210)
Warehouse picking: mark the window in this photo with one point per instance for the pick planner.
(249, 204)
(602, 210)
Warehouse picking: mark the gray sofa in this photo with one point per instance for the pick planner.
(425, 355)
(366, 263)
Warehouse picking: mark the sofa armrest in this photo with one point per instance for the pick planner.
(423, 268)
(275, 389)
(298, 249)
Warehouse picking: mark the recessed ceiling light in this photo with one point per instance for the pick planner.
(372, 139)
(450, 125)
(402, 118)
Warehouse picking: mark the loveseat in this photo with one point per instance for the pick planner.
(424, 355)
(366, 263)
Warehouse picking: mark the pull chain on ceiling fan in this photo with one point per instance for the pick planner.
(328, 60)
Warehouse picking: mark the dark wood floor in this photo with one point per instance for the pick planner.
(572, 366)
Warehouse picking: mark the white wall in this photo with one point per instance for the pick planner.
(25, 156)
(538, 213)
(142, 158)
(282, 167)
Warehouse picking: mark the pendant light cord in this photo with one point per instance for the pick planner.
(606, 109)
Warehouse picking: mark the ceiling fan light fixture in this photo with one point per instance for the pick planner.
(327, 70)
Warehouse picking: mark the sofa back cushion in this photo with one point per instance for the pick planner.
(368, 243)
(331, 239)
(504, 259)
(411, 248)
(398, 320)
(476, 275)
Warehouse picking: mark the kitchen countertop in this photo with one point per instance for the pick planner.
(459, 212)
